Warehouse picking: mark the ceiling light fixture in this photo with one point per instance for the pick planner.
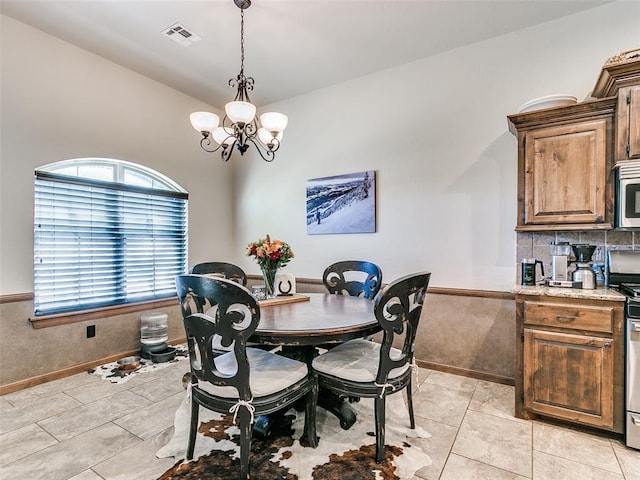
(239, 125)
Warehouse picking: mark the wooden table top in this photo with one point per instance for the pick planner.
(325, 318)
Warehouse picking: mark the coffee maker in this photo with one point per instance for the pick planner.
(583, 272)
(560, 275)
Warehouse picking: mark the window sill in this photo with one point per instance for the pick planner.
(46, 321)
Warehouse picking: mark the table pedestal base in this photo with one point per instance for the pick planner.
(328, 400)
(338, 406)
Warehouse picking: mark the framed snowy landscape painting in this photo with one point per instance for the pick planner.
(342, 204)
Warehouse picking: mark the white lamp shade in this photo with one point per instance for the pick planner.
(240, 112)
(223, 135)
(266, 136)
(274, 121)
(204, 121)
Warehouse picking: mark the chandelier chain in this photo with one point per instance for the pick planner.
(242, 42)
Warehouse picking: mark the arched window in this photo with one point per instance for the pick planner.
(106, 232)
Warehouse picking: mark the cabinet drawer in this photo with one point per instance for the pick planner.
(580, 317)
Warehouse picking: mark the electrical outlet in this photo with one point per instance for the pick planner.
(91, 331)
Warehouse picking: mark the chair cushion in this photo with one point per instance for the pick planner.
(355, 360)
(269, 373)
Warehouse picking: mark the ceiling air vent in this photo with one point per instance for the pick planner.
(181, 35)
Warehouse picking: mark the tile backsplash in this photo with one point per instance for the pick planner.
(538, 245)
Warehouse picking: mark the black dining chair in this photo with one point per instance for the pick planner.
(364, 368)
(355, 277)
(243, 381)
(228, 270)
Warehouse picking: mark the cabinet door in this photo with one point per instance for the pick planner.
(565, 174)
(628, 124)
(569, 376)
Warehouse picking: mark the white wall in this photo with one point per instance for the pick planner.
(61, 102)
(435, 131)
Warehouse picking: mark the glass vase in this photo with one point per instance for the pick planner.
(269, 277)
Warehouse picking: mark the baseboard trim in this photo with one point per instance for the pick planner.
(465, 372)
(67, 372)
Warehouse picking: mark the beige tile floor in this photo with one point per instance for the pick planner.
(86, 428)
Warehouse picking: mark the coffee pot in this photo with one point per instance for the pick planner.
(583, 272)
(529, 271)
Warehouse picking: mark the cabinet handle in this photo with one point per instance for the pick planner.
(566, 318)
(607, 345)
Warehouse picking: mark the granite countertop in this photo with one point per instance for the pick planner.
(596, 294)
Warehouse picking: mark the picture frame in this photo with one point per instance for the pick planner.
(342, 204)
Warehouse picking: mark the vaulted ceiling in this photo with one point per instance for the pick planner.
(291, 46)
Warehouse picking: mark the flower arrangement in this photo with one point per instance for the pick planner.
(270, 255)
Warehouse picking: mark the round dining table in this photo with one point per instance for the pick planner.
(315, 319)
(304, 323)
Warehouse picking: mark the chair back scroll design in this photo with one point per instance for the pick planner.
(398, 308)
(336, 282)
(217, 312)
(228, 270)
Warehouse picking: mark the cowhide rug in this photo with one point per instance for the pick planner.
(340, 455)
(112, 372)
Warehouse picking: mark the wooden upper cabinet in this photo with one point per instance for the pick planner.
(628, 124)
(620, 76)
(565, 160)
(565, 174)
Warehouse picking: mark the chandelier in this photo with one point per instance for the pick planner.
(239, 126)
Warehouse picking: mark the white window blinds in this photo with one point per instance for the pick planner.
(102, 243)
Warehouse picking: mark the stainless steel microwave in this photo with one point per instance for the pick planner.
(628, 195)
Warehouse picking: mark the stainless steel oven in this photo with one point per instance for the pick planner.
(624, 274)
(633, 374)
(628, 195)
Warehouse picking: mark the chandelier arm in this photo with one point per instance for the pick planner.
(267, 155)
(206, 142)
(276, 145)
(227, 153)
(251, 128)
(227, 150)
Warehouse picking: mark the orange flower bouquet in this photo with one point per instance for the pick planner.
(270, 255)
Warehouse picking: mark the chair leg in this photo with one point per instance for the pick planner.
(380, 406)
(310, 432)
(244, 418)
(412, 420)
(193, 428)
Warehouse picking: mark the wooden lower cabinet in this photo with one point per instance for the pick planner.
(569, 376)
(570, 360)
